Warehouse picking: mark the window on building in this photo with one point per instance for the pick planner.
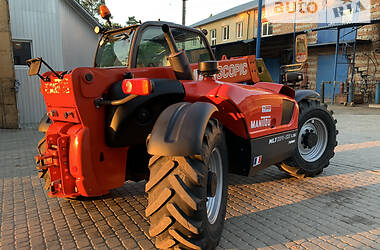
(347, 16)
(239, 30)
(195, 42)
(21, 52)
(267, 29)
(226, 32)
(213, 37)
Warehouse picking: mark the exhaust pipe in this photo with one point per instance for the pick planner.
(178, 58)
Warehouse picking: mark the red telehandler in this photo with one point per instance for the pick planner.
(157, 106)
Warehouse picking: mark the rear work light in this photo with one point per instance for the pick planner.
(137, 86)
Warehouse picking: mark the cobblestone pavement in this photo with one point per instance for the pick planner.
(338, 209)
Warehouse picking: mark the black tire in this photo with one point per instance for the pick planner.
(43, 173)
(177, 194)
(304, 164)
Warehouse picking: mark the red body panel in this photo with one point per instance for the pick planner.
(240, 105)
(79, 160)
(242, 69)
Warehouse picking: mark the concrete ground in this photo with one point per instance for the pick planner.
(338, 209)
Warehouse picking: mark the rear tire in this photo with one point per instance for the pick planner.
(178, 187)
(316, 141)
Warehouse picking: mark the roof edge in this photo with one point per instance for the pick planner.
(86, 16)
(228, 13)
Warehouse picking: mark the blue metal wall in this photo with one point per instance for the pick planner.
(273, 66)
(325, 72)
(328, 36)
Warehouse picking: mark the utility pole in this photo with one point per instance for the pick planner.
(258, 37)
(294, 34)
(184, 12)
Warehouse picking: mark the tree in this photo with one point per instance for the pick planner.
(132, 20)
(92, 6)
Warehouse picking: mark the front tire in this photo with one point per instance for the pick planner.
(187, 196)
(316, 141)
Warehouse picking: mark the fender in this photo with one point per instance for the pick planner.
(304, 94)
(44, 123)
(125, 126)
(276, 88)
(179, 129)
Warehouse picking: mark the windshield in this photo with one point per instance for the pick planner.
(154, 51)
(114, 49)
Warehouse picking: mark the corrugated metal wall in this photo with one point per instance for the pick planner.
(46, 23)
(35, 21)
(79, 41)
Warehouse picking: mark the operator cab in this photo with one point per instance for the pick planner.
(144, 45)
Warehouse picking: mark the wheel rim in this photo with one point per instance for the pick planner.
(213, 203)
(313, 128)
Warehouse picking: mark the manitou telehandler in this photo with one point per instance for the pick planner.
(157, 106)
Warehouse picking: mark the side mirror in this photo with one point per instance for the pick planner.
(301, 48)
(34, 66)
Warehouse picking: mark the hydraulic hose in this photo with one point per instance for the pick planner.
(123, 100)
(100, 102)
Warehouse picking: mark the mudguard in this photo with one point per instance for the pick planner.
(124, 126)
(179, 129)
(277, 88)
(305, 93)
(44, 123)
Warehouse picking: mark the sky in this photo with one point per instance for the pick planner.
(168, 10)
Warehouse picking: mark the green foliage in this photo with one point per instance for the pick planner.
(151, 54)
(92, 6)
(114, 26)
(132, 20)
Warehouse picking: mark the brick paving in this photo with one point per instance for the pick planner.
(338, 209)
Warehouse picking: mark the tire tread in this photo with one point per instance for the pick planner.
(175, 200)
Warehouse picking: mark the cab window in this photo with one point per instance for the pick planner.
(113, 49)
(153, 50)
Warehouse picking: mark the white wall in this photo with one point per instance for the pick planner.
(36, 21)
(78, 39)
(58, 35)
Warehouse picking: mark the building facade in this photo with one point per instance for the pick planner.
(234, 31)
(8, 106)
(59, 31)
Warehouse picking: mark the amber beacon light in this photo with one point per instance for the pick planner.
(104, 12)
